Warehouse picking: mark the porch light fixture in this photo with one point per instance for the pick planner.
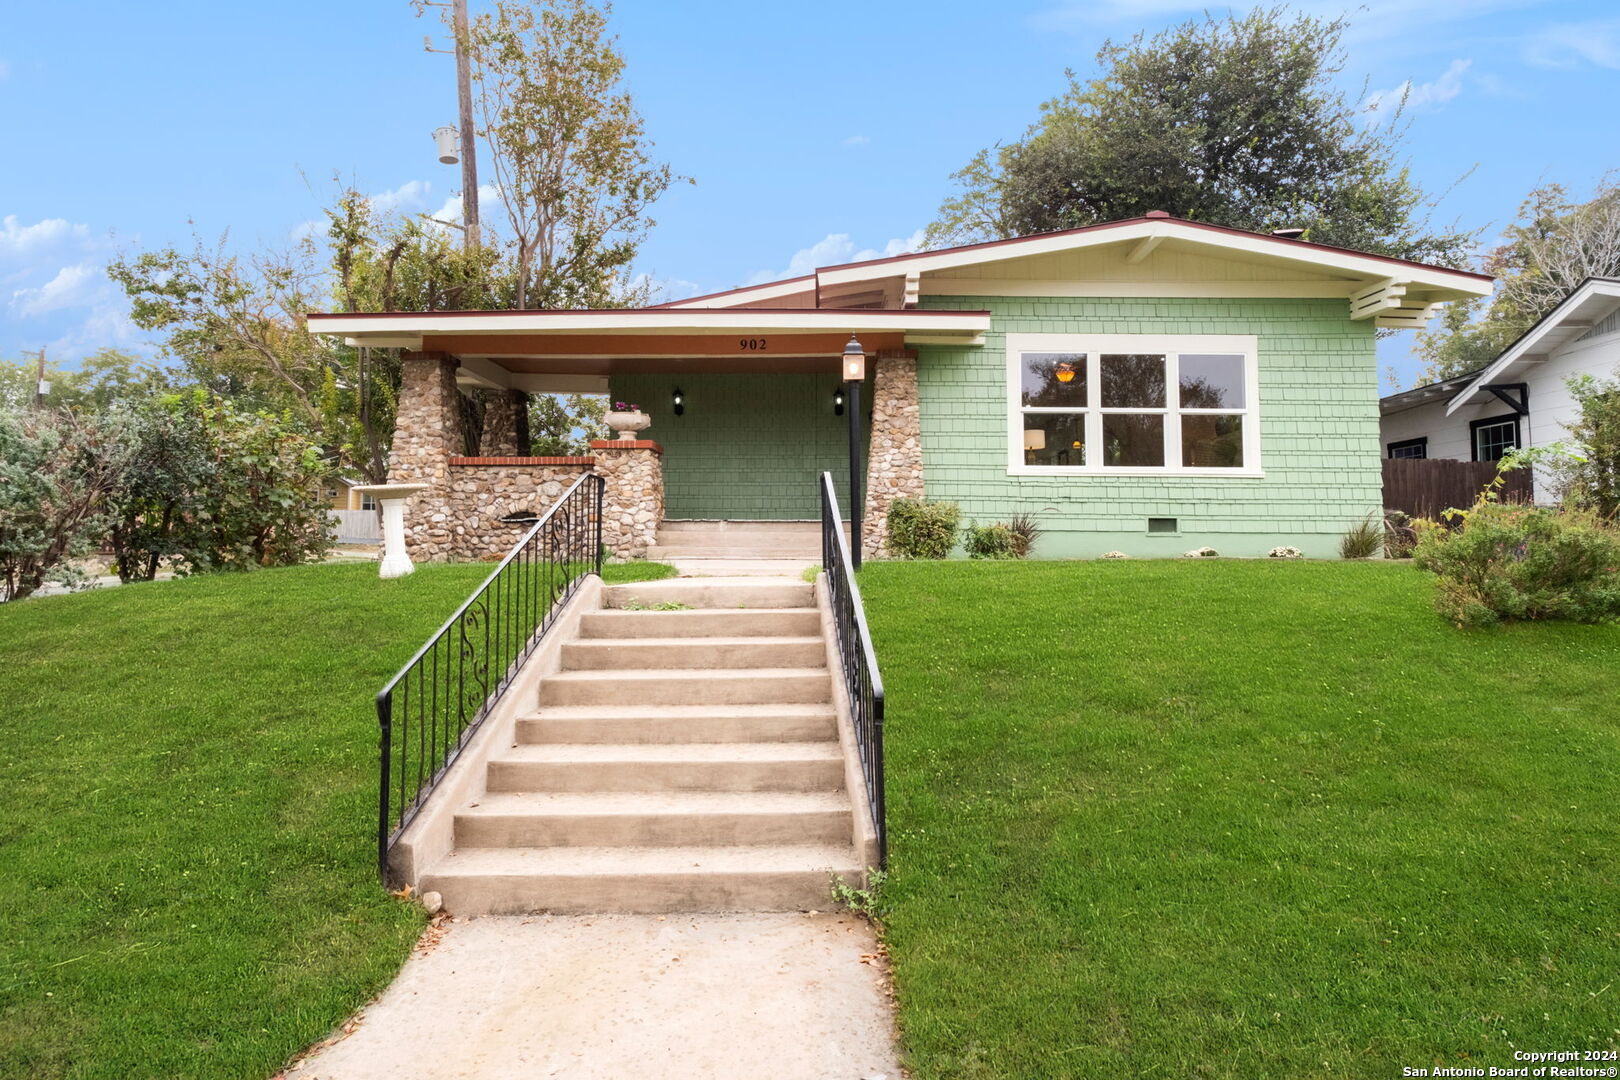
(854, 361)
(838, 402)
(680, 402)
(445, 138)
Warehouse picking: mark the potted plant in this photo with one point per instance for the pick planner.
(627, 419)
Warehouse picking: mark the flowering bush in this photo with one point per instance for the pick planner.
(1200, 553)
(1285, 552)
(1523, 562)
(620, 406)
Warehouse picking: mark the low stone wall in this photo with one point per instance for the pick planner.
(465, 521)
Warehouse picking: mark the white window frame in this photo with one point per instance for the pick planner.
(1168, 345)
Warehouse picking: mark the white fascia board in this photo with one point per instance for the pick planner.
(647, 321)
(1526, 345)
(1373, 270)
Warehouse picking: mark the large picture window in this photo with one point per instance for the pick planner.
(1121, 404)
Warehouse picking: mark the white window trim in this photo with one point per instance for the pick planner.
(1093, 345)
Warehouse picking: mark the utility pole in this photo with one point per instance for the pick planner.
(39, 379)
(469, 163)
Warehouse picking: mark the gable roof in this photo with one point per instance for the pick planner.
(1590, 301)
(1359, 272)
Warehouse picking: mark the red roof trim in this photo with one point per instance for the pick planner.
(718, 313)
(738, 289)
(1157, 221)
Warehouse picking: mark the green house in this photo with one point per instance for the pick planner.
(1145, 386)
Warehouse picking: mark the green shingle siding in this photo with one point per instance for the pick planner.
(749, 447)
(1318, 430)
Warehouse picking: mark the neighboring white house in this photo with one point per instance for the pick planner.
(1519, 400)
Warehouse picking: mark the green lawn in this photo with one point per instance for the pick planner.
(189, 773)
(1241, 819)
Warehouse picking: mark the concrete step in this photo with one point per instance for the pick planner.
(764, 622)
(807, 766)
(740, 529)
(679, 724)
(653, 819)
(575, 881)
(798, 550)
(744, 567)
(718, 686)
(606, 654)
(714, 592)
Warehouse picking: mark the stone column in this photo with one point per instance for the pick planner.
(427, 434)
(506, 424)
(633, 499)
(894, 464)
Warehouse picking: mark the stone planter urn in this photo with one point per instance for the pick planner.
(627, 420)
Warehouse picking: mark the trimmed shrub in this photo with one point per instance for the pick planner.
(992, 542)
(1523, 562)
(1364, 539)
(919, 529)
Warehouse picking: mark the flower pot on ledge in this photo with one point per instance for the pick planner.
(628, 424)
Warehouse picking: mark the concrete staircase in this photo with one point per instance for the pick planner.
(681, 760)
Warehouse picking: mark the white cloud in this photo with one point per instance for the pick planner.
(58, 293)
(836, 248)
(1571, 44)
(1382, 103)
(857, 140)
(71, 286)
(410, 194)
(488, 200)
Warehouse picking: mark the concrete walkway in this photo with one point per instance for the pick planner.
(615, 996)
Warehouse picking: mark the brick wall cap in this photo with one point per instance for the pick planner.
(585, 461)
(626, 444)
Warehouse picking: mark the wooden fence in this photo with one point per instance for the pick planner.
(1425, 487)
(356, 526)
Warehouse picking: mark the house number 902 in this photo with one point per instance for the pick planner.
(751, 344)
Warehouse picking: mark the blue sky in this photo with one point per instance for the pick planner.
(815, 133)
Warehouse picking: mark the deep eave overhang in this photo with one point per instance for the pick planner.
(1589, 301)
(362, 328)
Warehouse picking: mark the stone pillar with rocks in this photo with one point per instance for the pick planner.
(894, 463)
(633, 495)
(506, 424)
(427, 433)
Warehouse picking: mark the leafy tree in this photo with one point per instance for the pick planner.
(156, 505)
(1553, 245)
(570, 154)
(565, 424)
(1591, 479)
(58, 469)
(103, 379)
(1234, 122)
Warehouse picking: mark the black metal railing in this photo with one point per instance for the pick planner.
(429, 711)
(858, 667)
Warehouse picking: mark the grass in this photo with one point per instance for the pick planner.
(190, 780)
(1241, 819)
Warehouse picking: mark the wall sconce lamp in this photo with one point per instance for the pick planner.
(838, 402)
(680, 402)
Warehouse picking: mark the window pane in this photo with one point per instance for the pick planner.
(1133, 438)
(1211, 381)
(1055, 380)
(1054, 438)
(1132, 381)
(1412, 448)
(1212, 442)
(1491, 441)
